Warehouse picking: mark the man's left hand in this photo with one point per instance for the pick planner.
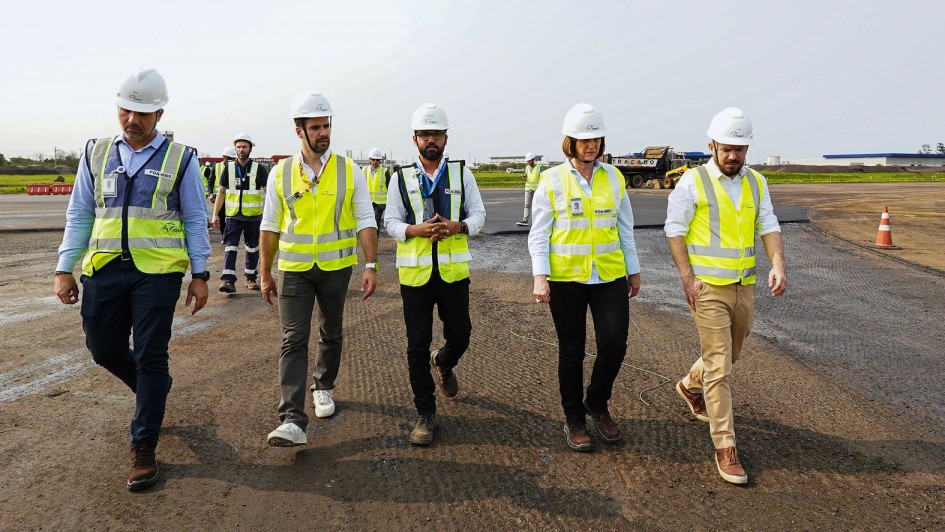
(368, 282)
(197, 292)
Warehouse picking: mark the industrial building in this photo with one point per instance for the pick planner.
(868, 159)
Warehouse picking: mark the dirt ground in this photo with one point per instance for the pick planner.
(821, 453)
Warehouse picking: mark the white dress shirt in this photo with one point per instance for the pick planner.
(272, 209)
(543, 215)
(396, 215)
(681, 206)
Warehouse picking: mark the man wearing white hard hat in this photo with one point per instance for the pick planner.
(228, 154)
(242, 186)
(532, 173)
(138, 215)
(377, 179)
(584, 257)
(713, 217)
(433, 205)
(318, 209)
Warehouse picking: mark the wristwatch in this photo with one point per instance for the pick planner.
(371, 265)
(202, 275)
(464, 229)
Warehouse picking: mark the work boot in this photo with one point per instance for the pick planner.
(422, 434)
(522, 223)
(228, 287)
(605, 425)
(251, 284)
(730, 468)
(695, 402)
(448, 382)
(144, 469)
(578, 438)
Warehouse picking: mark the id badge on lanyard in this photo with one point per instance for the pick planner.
(110, 185)
(576, 206)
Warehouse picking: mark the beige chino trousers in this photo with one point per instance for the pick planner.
(724, 316)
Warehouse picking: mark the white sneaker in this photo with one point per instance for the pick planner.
(287, 435)
(324, 404)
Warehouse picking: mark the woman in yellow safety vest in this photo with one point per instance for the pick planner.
(584, 256)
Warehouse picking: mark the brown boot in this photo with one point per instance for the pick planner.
(578, 438)
(144, 469)
(252, 284)
(448, 382)
(730, 468)
(605, 425)
(422, 434)
(695, 402)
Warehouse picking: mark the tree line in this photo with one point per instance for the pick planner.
(58, 158)
(927, 149)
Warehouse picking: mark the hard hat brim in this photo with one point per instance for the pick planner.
(139, 107)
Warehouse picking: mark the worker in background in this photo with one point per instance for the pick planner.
(432, 207)
(377, 180)
(584, 256)
(242, 187)
(228, 154)
(532, 173)
(712, 218)
(318, 209)
(128, 189)
(209, 180)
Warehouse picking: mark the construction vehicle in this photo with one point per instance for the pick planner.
(660, 164)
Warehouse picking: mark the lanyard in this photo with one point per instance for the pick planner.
(426, 186)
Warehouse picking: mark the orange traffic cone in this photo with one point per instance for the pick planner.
(884, 233)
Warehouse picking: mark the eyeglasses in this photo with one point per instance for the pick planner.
(431, 135)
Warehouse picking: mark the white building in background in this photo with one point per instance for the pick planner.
(886, 159)
(512, 159)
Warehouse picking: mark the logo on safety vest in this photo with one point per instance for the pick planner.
(158, 173)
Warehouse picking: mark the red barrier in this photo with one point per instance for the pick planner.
(61, 189)
(34, 190)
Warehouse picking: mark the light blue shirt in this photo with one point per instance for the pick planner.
(80, 215)
(543, 215)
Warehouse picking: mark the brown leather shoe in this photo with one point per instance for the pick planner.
(144, 469)
(730, 468)
(578, 438)
(252, 285)
(695, 402)
(605, 425)
(422, 434)
(448, 382)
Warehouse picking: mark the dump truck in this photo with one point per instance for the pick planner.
(661, 164)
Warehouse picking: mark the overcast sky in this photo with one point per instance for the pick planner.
(816, 77)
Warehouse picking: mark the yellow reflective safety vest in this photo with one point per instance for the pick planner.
(584, 230)
(721, 239)
(218, 171)
(532, 174)
(377, 183)
(248, 201)
(415, 256)
(140, 214)
(206, 173)
(318, 226)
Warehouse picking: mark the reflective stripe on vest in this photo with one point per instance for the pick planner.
(532, 175)
(377, 184)
(250, 200)
(309, 234)
(591, 237)
(415, 256)
(721, 239)
(152, 217)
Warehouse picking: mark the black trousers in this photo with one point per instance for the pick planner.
(610, 310)
(452, 305)
(120, 302)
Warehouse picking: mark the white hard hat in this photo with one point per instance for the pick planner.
(730, 126)
(529, 156)
(375, 154)
(311, 105)
(244, 136)
(143, 92)
(207, 163)
(584, 121)
(429, 117)
(229, 151)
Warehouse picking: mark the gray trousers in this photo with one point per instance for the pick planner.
(298, 294)
(529, 195)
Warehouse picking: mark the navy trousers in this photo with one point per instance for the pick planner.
(120, 304)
